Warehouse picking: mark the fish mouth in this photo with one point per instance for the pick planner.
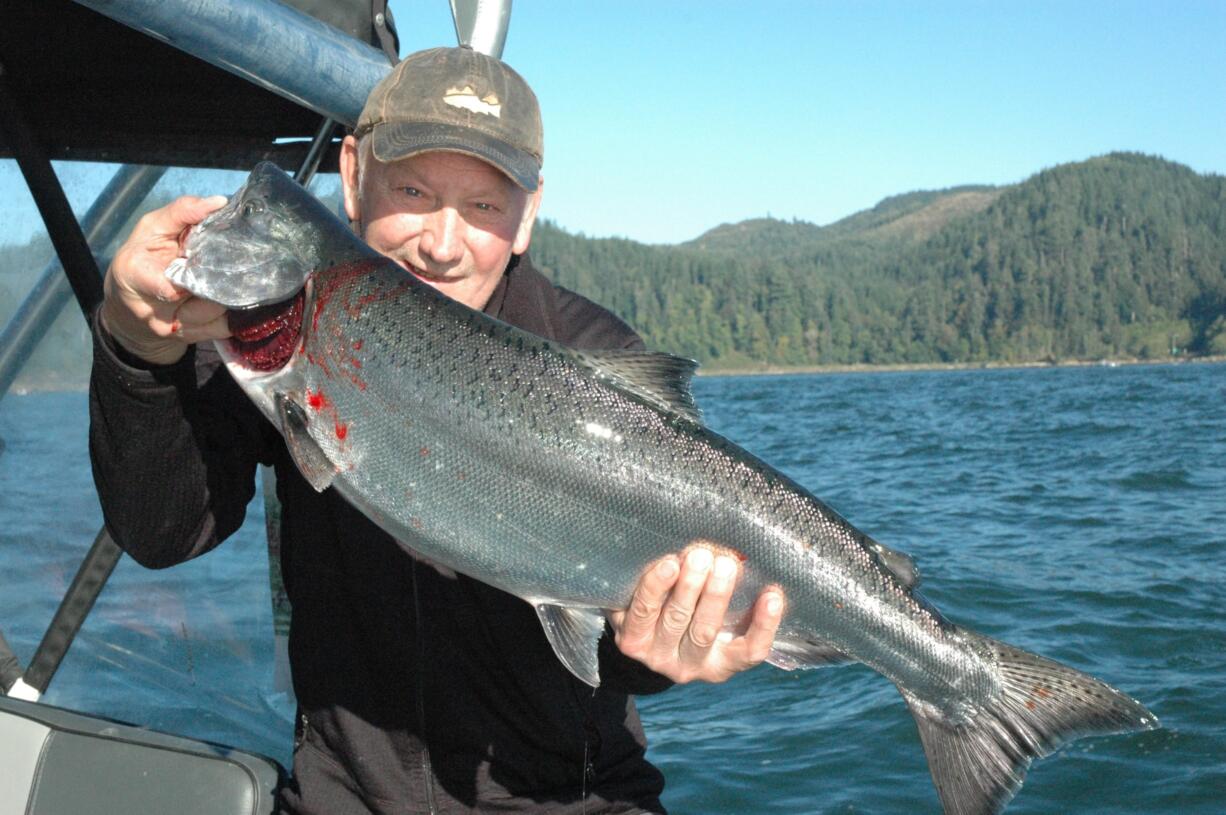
(264, 338)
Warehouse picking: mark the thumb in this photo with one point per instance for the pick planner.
(172, 219)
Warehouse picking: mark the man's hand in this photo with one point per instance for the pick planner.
(674, 622)
(147, 314)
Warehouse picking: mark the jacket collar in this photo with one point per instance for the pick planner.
(524, 298)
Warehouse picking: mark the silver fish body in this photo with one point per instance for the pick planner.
(558, 475)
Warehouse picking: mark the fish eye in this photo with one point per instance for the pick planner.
(252, 207)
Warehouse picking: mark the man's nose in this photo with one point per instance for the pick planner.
(442, 235)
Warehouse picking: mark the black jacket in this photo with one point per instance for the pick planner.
(418, 690)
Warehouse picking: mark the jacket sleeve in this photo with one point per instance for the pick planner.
(173, 450)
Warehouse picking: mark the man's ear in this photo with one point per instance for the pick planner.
(349, 163)
(523, 235)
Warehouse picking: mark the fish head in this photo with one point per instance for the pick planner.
(258, 256)
(258, 249)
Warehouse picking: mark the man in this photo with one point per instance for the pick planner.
(419, 690)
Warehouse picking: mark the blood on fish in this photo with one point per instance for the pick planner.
(317, 400)
(341, 276)
(265, 338)
(342, 429)
(355, 309)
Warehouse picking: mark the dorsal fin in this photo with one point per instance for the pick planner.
(660, 379)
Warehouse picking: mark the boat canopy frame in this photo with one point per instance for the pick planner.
(149, 84)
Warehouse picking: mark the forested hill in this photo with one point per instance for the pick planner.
(1119, 256)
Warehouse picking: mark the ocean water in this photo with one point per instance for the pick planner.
(1077, 512)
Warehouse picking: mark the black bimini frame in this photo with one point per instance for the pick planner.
(156, 83)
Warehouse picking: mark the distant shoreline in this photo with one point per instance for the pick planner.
(782, 370)
(23, 388)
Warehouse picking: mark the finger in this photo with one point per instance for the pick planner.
(637, 625)
(712, 607)
(197, 312)
(138, 270)
(215, 329)
(755, 645)
(169, 221)
(144, 276)
(679, 608)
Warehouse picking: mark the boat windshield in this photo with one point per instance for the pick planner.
(190, 649)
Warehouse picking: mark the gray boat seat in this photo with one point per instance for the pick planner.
(57, 762)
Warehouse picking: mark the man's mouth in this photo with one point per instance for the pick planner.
(423, 275)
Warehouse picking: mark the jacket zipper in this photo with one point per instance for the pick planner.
(427, 770)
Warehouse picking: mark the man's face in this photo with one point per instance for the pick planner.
(451, 219)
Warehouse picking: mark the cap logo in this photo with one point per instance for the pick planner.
(467, 98)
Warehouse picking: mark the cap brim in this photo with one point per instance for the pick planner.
(394, 141)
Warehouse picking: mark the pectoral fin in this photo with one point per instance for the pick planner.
(574, 634)
(312, 461)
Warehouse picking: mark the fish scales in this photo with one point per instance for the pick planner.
(576, 460)
(560, 475)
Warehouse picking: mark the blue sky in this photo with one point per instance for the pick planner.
(664, 119)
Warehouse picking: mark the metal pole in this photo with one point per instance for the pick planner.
(115, 204)
(62, 226)
(74, 608)
(482, 24)
(268, 43)
(319, 145)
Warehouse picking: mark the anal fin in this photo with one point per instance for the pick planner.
(575, 635)
(311, 460)
(900, 564)
(790, 654)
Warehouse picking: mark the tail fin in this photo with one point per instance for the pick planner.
(978, 764)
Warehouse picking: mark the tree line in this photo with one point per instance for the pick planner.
(1122, 255)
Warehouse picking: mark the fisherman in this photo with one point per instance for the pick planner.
(419, 690)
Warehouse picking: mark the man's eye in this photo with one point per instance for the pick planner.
(412, 192)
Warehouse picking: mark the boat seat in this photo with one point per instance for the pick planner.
(57, 762)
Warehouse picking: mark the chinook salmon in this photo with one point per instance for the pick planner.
(421, 412)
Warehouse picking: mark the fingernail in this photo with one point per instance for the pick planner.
(699, 559)
(725, 568)
(667, 568)
(216, 200)
(774, 605)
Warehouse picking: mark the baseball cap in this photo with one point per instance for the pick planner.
(459, 100)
